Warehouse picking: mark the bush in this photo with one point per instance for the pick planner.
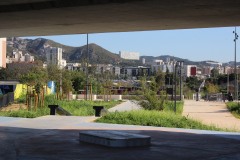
(234, 108)
(149, 100)
(21, 99)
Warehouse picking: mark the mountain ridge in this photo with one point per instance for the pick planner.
(96, 54)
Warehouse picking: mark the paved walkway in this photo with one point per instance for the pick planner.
(125, 106)
(210, 112)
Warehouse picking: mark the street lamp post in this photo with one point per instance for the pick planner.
(87, 69)
(235, 64)
(181, 84)
(177, 66)
(173, 71)
(175, 88)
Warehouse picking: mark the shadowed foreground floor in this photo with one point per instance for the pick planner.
(56, 138)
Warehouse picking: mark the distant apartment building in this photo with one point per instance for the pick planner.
(135, 71)
(3, 51)
(116, 71)
(214, 64)
(143, 60)
(74, 66)
(220, 70)
(129, 55)
(101, 68)
(54, 57)
(190, 70)
(164, 66)
(17, 56)
(206, 70)
(231, 70)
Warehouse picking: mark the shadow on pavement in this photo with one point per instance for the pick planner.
(36, 144)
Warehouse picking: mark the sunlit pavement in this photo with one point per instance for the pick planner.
(211, 112)
(128, 105)
(56, 137)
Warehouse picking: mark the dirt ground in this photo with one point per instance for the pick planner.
(211, 113)
(14, 107)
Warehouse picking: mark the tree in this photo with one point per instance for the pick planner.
(3, 74)
(66, 82)
(149, 99)
(160, 79)
(214, 73)
(78, 83)
(37, 77)
(193, 82)
(54, 73)
(211, 88)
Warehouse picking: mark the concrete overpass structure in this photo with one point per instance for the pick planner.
(52, 17)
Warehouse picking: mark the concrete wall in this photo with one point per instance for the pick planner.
(96, 97)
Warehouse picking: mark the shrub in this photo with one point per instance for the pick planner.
(234, 108)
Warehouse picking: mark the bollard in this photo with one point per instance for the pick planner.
(52, 109)
(98, 110)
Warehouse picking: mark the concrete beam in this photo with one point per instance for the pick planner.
(48, 17)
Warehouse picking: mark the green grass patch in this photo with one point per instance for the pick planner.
(234, 108)
(169, 106)
(75, 107)
(155, 118)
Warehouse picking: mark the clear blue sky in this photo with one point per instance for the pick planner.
(194, 44)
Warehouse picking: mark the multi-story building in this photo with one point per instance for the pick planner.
(143, 60)
(28, 58)
(3, 50)
(135, 71)
(74, 66)
(206, 70)
(101, 68)
(54, 56)
(129, 55)
(116, 70)
(190, 70)
(17, 56)
(157, 65)
(214, 64)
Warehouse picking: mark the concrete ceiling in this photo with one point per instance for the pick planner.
(53, 17)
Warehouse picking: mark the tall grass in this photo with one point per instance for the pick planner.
(75, 107)
(234, 108)
(155, 118)
(169, 106)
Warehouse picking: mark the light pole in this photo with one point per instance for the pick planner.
(235, 64)
(181, 84)
(227, 82)
(87, 58)
(177, 66)
(173, 66)
(175, 88)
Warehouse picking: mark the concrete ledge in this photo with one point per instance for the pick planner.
(114, 138)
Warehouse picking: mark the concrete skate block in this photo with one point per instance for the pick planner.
(114, 138)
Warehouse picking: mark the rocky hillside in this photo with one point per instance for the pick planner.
(97, 54)
(37, 47)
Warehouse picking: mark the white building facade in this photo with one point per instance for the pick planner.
(54, 56)
(3, 51)
(129, 55)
